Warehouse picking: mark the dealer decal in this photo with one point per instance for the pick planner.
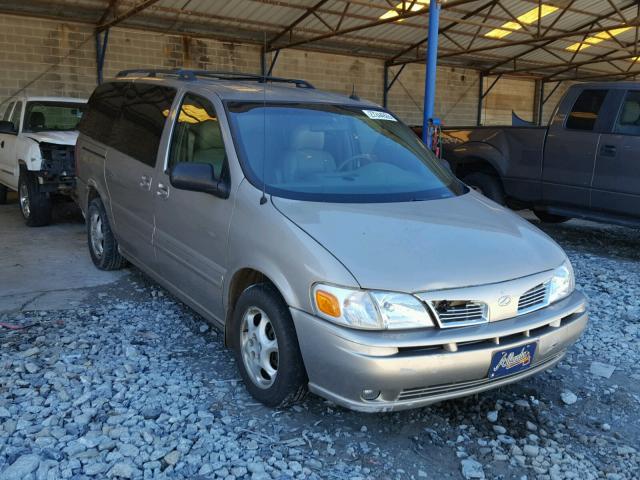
(378, 115)
(511, 359)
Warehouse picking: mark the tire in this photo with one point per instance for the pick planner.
(35, 205)
(546, 217)
(263, 304)
(102, 244)
(3, 194)
(487, 184)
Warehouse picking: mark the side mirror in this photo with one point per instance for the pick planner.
(7, 127)
(198, 177)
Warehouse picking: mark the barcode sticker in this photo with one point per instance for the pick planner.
(378, 115)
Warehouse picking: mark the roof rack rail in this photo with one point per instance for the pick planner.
(194, 74)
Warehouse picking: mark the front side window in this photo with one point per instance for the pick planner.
(15, 117)
(40, 116)
(585, 111)
(628, 122)
(197, 136)
(336, 153)
(138, 130)
(7, 112)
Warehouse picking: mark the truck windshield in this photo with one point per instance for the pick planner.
(42, 116)
(336, 153)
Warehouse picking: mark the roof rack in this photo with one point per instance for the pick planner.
(191, 75)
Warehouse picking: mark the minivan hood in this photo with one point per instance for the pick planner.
(60, 138)
(426, 245)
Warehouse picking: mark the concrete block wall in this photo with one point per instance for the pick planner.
(508, 94)
(58, 58)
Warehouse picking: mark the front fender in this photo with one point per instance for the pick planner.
(263, 239)
(471, 151)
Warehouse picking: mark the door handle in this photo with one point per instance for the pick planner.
(163, 191)
(608, 150)
(145, 182)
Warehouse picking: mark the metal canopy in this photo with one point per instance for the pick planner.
(550, 40)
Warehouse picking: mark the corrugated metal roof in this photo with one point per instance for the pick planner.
(542, 50)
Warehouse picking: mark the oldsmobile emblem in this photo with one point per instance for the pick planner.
(504, 300)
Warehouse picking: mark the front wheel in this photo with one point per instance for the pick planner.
(266, 347)
(546, 217)
(36, 206)
(486, 184)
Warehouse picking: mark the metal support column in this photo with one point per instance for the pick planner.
(432, 65)
(540, 98)
(482, 93)
(480, 99)
(388, 84)
(102, 38)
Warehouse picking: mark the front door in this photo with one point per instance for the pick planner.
(9, 170)
(192, 227)
(616, 181)
(130, 167)
(570, 150)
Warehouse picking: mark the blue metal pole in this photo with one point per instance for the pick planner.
(432, 65)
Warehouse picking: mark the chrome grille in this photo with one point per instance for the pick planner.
(459, 313)
(533, 298)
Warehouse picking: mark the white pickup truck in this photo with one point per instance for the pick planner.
(37, 150)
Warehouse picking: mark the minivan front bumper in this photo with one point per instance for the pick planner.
(411, 369)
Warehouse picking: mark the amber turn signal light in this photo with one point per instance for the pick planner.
(327, 303)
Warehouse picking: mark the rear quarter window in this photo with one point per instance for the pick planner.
(102, 111)
(585, 111)
(138, 130)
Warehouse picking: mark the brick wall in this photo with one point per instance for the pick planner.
(58, 58)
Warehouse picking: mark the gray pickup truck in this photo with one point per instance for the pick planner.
(585, 164)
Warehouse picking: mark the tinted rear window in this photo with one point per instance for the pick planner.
(139, 128)
(102, 112)
(585, 111)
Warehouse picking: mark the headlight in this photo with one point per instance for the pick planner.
(562, 283)
(370, 310)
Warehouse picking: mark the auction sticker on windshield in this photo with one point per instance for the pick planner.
(512, 360)
(378, 115)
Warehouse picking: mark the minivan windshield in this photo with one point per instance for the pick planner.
(41, 116)
(336, 153)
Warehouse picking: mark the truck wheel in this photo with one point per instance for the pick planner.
(266, 347)
(3, 194)
(103, 245)
(35, 205)
(486, 184)
(546, 217)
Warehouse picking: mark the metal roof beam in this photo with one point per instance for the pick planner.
(550, 38)
(401, 16)
(442, 30)
(129, 13)
(289, 29)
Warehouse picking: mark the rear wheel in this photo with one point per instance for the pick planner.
(3, 194)
(35, 205)
(486, 184)
(266, 347)
(103, 245)
(547, 217)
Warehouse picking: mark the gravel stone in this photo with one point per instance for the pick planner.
(127, 386)
(21, 468)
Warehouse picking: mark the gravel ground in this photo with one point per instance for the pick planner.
(137, 386)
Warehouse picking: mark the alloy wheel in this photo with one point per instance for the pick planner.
(97, 234)
(25, 205)
(259, 347)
